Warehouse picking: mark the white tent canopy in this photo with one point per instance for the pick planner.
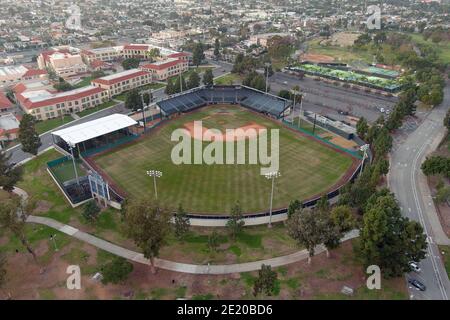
(93, 129)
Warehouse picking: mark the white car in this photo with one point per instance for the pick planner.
(415, 266)
(382, 110)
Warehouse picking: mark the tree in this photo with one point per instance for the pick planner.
(63, 85)
(217, 48)
(198, 55)
(362, 127)
(91, 211)
(180, 84)
(133, 100)
(182, 223)
(28, 136)
(436, 165)
(193, 81)
(9, 174)
(266, 281)
(293, 207)
(236, 222)
(382, 143)
(284, 94)
(322, 204)
(170, 89)
(130, 63)
(213, 241)
(331, 234)
(304, 227)
(147, 97)
(208, 78)
(116, 270)
(148, 226)
(13, 214)
(390, 240)
(343, 218)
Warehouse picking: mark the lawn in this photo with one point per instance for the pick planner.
(102, 106)
(341, 54)
(228, 79)
(47, 125)
(307, 168)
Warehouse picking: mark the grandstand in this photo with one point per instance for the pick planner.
(247, 97)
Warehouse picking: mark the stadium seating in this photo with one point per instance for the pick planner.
(247, 97)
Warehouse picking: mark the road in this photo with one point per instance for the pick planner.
(409, 185)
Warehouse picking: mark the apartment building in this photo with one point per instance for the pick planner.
(164, 69)
(13, 74)
(45, 104)
(62, 62)
(107, 54)
(123, 81)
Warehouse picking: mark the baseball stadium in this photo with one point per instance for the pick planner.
(309, 166)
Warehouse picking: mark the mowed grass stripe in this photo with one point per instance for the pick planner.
(307, 168)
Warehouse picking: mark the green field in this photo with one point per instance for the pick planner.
(307, 168)
(47, 125)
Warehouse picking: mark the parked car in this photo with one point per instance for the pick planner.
(415, 266)
(417, 284)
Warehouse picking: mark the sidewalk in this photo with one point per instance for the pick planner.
(177, 266)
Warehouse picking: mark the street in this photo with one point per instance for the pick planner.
(409, 185)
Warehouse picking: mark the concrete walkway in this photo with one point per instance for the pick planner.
(171, 265)
(177, 266)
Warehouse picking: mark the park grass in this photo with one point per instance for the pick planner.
(228, 79)
(442, 48)
(307, 167)
(47, 125)
(99, 107)
(341, 54)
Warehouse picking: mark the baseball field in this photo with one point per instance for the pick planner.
(307, 167)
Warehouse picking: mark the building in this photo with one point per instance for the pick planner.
(107, 54)
(12, 74)
(9, 128)
(161, 70)
(123, 81)
(5, 105)
(63, 63)
(45, 104)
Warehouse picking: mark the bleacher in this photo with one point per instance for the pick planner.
(247, 97)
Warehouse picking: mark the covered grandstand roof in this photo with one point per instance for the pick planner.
(95, 128)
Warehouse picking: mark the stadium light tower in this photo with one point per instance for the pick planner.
(155, 174)
(271, 176)
(295, 93)
(267, 65)
(364, 149)
(74, 165)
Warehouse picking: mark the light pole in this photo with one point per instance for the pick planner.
(74, 165)
(294, 92)
(301, 110)
(267, 65)
(155, 174)
(364, 149)
(271, 176)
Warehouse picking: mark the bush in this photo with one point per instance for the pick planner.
(116, 271)
(91, 211)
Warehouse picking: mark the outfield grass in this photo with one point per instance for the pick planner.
(47, 125)
(307, 168)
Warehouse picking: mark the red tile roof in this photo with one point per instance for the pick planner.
(34, 72)
(162, 66)
(4, 101)
(178, 55)
(119, 79)
(136, 47)
(27, 103)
